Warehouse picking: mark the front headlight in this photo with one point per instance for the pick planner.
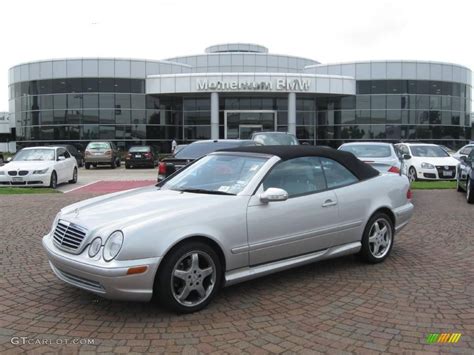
(112, 245)
(427, 166)
(40, 172)
(95, 247)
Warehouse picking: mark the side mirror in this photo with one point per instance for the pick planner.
(463, 158)
(9, 159)
(406, 156)
(273, 194)
(61, 158)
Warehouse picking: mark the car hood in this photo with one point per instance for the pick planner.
(437, 161)
(27, 165)
(138, 206)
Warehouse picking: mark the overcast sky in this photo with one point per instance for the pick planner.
(328, 31)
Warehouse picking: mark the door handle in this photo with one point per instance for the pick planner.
(328, 203)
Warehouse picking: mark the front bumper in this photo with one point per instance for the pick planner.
(27, 180)
(403, 215)
(98, 159)
(109, 280)
(434, 174)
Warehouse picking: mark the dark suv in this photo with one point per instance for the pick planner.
(465, 176)
(101, 153)
(76, 153)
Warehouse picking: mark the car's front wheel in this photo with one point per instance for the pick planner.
(189, 277)
(412, 174)
(53, 182)
(377, 240)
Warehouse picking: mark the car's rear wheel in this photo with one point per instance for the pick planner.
(469, 192)
(74, 176)
(53, 182)
(412, 174)
(189, 277)
(377, 240)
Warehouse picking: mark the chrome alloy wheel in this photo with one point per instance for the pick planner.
(412, 174)
(380, 238)
(193, 278)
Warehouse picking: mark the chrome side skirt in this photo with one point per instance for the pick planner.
(249, 273)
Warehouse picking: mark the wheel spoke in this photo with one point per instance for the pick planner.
(383, 230)
(376, 249)
(373, 238)
(181, 274)
(184, 293)
(206, 272)
(377, 228)
(200, 289)
(195, 261)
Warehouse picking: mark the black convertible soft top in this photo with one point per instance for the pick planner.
(360, 169)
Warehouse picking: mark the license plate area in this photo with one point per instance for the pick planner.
(447, 173)
(17, 179)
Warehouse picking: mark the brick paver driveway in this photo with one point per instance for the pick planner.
(341, 305)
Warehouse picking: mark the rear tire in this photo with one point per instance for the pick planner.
(53, 182)
(378, 238)
(469, 191)
(87, 166)
(189, 277)
(74, 176)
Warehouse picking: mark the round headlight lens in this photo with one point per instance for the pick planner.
(95, 247)
(112, 245)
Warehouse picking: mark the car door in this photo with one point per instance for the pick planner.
(353, 198)
(61, 164)
(304, 223)
(69, 165)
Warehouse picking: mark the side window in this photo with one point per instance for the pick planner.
(404, 149)
(466, 151)
(336, 174)
(62, 152)
(471, 156)
(66, 154)
(297, 176)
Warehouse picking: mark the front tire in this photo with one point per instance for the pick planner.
(74, 176)
(377, 240)
(189, 277)
(87, 166)
(53, 182)
(412, 174)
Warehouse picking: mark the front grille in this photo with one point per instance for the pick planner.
(23, 172)
(68, 235)
(80, 281)
(12, 173)
(446, 171)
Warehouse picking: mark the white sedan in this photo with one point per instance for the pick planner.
(427, 162)
(39, 166)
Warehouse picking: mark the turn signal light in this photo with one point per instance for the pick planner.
(409, 194)
(162, 168)
(394, 169)
(137, 270)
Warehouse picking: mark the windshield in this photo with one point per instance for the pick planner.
(368, 150)
(197, 150)
(428, 151)
(139, 149)
(220, 174)
(34, 154)
(275, 139)
(98, 146)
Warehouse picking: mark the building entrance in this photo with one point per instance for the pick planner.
(241, 124)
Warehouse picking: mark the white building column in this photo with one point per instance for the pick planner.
(214, 115)
(292, 113)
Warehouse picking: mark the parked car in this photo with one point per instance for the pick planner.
(464, 151)
(382, 156)
(101, 153)
(427, 162)
(465, 180)
(76, 153)
(179, 147)
(141, 156)
(39, 166)
(234, 215)
(275, 138)
(194, 151)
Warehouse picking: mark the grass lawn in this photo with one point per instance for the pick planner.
(25, 190)
(433, 185)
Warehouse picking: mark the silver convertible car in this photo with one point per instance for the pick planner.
(230, 216)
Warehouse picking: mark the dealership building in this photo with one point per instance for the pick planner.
(233, 90)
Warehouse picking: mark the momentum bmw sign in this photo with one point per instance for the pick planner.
(281, 84)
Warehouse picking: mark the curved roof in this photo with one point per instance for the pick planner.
(360, 169)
